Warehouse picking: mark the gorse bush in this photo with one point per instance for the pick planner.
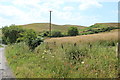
(73, 31)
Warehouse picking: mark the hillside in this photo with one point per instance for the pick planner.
(45, 27)
(112, 35)
(98, 28)
(109, 24)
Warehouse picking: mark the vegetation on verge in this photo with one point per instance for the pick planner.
(93, 60)
(86, 56)
(15, 34)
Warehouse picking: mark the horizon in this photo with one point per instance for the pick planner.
(64, 12)
(61, 24)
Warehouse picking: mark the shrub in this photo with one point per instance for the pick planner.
(27, 36)
(56, 34)
(11, 33)
(74, 54)
(73, 31)
(45, 34)
(31, 38)
(36, 42)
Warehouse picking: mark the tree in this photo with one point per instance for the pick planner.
(73, 31)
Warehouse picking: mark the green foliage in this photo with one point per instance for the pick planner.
(31, 38)
(1, 46)
(98, 30)
(36, 42)
(27, 36)
(98, 25)
(11, 33)
(73, 31)
(56, 34)
(75, 54)
(93, 60)
(45, 34)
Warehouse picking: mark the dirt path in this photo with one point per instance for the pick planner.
(5, 71)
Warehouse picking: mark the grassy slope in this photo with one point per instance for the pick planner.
(51, 60)
(109, 24)
(99, 62)
(45, 27)
(102, 25)
(39, 27)
(113, 35)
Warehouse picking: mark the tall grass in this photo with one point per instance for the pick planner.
(87, 60)
(108, 36)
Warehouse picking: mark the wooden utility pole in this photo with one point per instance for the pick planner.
(50, 24)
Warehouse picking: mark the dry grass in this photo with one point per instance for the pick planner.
(107, 36)
(45, 27)
(109, 24)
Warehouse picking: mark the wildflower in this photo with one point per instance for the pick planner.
(82, 62)
(14, 56)
(45, 51)
(53, 56)
(42, 56)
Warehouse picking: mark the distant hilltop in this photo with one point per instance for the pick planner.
(109, 24)
(45, 26)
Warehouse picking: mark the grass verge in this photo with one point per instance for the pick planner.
(88, 60)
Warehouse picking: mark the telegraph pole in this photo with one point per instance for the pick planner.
(50, 23)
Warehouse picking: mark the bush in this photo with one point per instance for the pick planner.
(36, 42)
(45, 34)
(73, 31)
(11, 33)
(31, 38)
(56, 34)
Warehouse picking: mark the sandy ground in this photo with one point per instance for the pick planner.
(5, 71)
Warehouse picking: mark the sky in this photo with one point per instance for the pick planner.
(74, 12)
